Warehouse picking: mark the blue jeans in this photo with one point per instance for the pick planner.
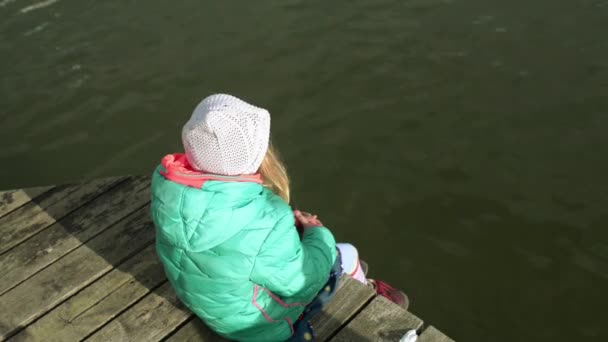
(303, 331)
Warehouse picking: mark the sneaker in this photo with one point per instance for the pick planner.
(385, 290)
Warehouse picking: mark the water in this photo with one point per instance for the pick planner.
(461, 145)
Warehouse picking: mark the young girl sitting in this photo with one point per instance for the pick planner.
(227, 236)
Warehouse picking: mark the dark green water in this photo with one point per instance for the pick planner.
(461, 145)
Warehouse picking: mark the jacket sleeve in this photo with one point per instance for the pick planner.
(289, 267)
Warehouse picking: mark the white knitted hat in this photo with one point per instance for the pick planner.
(226, 136)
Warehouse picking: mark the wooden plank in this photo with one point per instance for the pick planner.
(381, 320)
(195, 331)
(152, 319)
(351, 297)
(432, 334)
(72, 231)
(51, 286)
(49, 208)
(100, 302)
(13, 199)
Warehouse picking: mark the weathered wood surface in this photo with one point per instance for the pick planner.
(153, 318)
(195, 331)
(381, 320)
(36, 215)
(431, 334)
(82, 265)
(13, 199)
(350, 298)
(99, 303)
(72, 231)
(47, 288)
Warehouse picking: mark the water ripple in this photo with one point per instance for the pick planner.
(37, 6)
(6, 2)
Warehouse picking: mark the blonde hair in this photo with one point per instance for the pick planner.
(274, 174)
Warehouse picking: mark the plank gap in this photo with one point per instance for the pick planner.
(353, 316)
(166, 338)
(24, 326)
(82, 243)
(151, 319)
(86, 199)
(8, 202)
(120, 313)
(176, 329)
(101, 301)
(87, 264)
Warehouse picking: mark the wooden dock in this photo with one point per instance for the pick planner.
(77, 262)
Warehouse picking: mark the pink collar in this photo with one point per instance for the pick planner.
(177, 169)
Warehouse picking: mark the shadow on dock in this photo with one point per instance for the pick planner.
(89, 233)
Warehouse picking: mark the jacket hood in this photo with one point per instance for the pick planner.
(199, 211)
(177, 168)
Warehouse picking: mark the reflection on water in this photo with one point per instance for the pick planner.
(460, 145)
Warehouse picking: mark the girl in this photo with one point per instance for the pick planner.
(227, 237)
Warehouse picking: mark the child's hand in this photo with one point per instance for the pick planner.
(307, 220)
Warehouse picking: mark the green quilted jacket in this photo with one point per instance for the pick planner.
(230, 249)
